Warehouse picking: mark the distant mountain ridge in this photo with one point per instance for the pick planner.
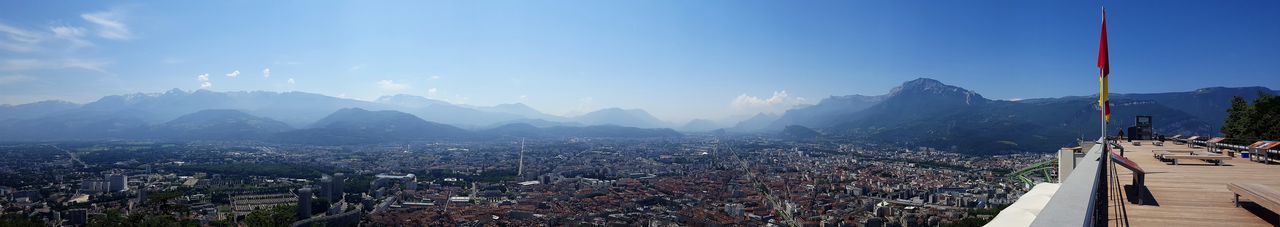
(621, 117)
(756, 123)
(700, 125)
(294, 108)
(928, 112)
(35, 109)
(218, 125)
(825, 112)
(923, 112)
(522, 110)
(360, 126)
(208, 115)
(347, 126)
(299, 108)
(445, 112)
(602, 131)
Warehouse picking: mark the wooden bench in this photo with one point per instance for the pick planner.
(1139, 176)
(1215, 159)
(1262, 195)
(1160, 154)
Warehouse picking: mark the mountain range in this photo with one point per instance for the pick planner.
(929, 113)
(216, 123)
(923, 112)
(298, 117)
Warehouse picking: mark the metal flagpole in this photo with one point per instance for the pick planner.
(1103, 103)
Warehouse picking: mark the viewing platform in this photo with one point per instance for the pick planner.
(1193, 192)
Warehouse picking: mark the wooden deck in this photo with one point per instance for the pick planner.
(1194, 193)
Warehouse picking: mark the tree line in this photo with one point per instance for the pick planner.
(1247, 122)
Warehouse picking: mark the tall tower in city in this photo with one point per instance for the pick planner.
(117, 182)
(326, 188)
(475, 193)
(520, 170)
(304, 203)
(339, 181)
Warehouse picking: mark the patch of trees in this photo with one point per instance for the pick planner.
(357, 183)
(319, 206)
(275, 216)
(155, 198)
(1246, 123)
(17, 220)
(257, 169)
(112, 218)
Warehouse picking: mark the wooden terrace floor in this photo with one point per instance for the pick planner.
(1193, 193)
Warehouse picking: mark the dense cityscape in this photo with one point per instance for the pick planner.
(696, 180)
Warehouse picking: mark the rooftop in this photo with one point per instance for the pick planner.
(1194, 192)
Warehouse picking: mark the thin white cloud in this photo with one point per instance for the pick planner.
(20, 35)
(18, 65)
(432, 92)
(15, 79)
(392, 86)
(86, 64)
(291, 81)
(778, 102)
(266, 73)
(234, 74)
(22, 64)
(435, 77)
(109, 24)
(745, 101)
(74, 35)
(18, 39)
(523, 98)
(358, 67)
(55, 47)
(204, 81)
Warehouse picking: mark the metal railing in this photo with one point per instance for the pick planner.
(1081, 200)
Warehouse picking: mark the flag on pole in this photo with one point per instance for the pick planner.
(1105, 67)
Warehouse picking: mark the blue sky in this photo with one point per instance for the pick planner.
(676, 59)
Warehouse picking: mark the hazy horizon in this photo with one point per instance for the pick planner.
(677, 60)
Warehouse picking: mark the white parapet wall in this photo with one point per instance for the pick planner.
(1028, 206)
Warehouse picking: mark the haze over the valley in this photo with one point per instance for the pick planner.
(721, 61)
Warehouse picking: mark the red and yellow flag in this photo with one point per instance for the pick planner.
(1105, 67)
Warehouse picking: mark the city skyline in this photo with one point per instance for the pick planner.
(676, 60)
